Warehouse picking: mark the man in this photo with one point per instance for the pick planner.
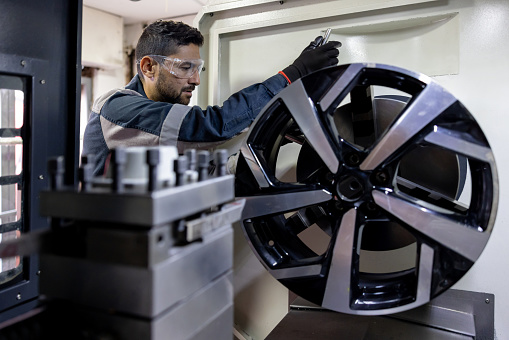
(153, 108)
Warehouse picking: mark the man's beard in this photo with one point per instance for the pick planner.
(169, 95)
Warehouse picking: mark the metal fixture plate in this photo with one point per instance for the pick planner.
(142, 209)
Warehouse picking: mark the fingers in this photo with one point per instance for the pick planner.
(331, 61)
(314, 44)
(330, 51)
(333, 44)
(314, 58)
(317, 40)
(324, 60)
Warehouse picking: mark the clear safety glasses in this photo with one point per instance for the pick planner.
(179, 68)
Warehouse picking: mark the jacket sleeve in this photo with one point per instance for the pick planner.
(217, 123)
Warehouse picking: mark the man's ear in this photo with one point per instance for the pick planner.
(148, 67)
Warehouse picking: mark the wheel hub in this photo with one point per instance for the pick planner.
(350, 188)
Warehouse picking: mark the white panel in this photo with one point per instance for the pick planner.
(216, 21)
(481, 86)
(429, 45)
(245, 58)
(260, 301)
(102, 39)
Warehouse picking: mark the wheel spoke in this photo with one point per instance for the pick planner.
(461, 238)
(453, 141)
(339, 282)
(304, 113)
(428, 105)
(339, 86)
(434, 197)
(337, 294)
(254, 165)
(296, 272)
(425, 275)
(272, 204)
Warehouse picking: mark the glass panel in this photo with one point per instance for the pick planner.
(11, 151)
(12, 106)
(10, 204)
(10, 267)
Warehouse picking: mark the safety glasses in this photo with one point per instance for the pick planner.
(179, 68)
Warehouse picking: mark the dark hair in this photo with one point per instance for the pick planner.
(164, 38)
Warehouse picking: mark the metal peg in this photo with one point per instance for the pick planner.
(56, 172)
(203, 165)
(221, 159)
(86, 171)
(153, 159)
(180, 166)
(191, 157)
(119, 159)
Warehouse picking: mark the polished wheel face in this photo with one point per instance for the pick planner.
(369, 189)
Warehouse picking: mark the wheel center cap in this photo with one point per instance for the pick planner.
(350, 188)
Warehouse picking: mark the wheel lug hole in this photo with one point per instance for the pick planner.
(338, 205)
(329, 176)
(381, 177)
(371, 206)
(352, 159)
(370, 209)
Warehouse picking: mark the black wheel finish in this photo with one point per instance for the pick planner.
(369, 189)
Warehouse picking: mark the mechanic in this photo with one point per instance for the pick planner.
(153, 108)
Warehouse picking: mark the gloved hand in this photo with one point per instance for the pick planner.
(313, 58)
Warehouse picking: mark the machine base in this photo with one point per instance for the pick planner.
(455, 314)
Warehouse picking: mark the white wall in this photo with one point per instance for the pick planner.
(132, 32)
(102, 39)
(102, 48)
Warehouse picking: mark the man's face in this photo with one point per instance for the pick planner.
(178, 90)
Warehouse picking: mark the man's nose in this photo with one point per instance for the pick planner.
(195, 79)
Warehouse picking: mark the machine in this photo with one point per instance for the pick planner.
(127, 257)
(457, 45)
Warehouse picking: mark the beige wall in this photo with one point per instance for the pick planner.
(102, 48)
(105, 43)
